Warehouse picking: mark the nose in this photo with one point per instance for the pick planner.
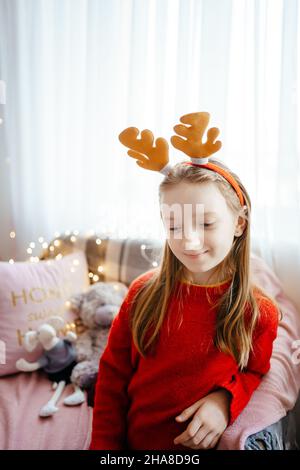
(193, 240)
(193, 245)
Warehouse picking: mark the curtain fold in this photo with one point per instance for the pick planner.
(77, 72)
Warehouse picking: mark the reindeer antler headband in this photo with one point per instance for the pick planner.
(156, 157)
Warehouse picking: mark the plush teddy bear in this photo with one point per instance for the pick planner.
(95, 308)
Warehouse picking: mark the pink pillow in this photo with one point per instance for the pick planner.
(29, 294)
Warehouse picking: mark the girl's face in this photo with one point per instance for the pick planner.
(200, 227)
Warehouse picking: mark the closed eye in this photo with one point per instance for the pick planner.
(177, 228)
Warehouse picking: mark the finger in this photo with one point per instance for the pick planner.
(137, 156)
(189, 411)
(206, 442)
(190, 431)
(215, 441)
(195, 441)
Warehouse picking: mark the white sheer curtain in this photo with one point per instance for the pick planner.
(77, 72)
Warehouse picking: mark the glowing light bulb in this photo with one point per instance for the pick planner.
(41, 239)
(11, 261)
(12, 234)
(73, 239)
(29, 251)
(95, 278)
(51, 248)
(32, 245)
(98, 241)
(45, 245)
(100, 269)
(56, 242)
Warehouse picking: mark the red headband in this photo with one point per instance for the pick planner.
(224, 173)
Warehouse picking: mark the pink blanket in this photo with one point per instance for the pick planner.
(21, 397)
(279, 389)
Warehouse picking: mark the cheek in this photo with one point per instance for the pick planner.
(217, 242)
(221, 241)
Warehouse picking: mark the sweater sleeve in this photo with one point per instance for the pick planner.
(115, 370)
(241, 385)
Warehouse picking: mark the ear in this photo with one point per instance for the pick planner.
(75, 302)
(244, 210)
(30, 340)
(57, 323)
(242, 221)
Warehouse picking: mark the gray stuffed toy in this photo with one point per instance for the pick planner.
(96, 308)
(57, 360)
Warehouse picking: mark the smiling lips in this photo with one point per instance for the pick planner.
(195, 255)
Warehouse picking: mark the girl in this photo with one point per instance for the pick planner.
(193, 337)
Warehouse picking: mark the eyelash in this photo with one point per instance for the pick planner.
(174, 228)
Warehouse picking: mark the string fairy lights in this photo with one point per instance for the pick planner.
(55, 250)
(146, 257)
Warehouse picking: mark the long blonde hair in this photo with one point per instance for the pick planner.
(233, 334)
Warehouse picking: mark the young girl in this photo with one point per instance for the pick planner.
(193, 337)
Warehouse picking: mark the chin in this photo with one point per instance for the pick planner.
(193, 268)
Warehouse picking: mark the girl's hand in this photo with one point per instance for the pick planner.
(211, 416)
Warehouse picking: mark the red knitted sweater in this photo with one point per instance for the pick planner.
(137, 399)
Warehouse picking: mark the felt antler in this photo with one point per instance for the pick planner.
(192, 145)
(148, 156)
